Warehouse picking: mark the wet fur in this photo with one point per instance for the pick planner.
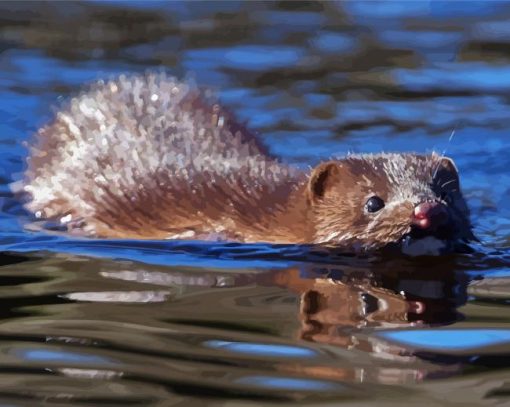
(150, 157)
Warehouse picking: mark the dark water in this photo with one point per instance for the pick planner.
(95, 322)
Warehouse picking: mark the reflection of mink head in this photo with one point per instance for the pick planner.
(370, 201)
(329, 306)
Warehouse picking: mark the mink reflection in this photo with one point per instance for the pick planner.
(336, 303)
(341, 306)
(332, 303)
(338, 308)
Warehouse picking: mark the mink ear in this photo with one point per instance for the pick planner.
(320, 180)
(447, 163)
(446, 173)
(446, 168)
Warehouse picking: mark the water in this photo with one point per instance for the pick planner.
(99, 322)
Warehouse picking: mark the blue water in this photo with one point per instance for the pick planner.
(450, 340)
(111, 322)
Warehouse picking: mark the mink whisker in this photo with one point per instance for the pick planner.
(444, 152)
(446, 183)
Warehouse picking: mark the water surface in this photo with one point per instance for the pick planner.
(107, 322)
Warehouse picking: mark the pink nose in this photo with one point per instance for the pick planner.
(429, 215)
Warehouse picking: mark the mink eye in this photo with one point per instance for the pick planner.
(374, 204)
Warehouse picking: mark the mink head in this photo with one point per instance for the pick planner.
(368, 202)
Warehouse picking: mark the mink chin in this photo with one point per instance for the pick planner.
(418, 243)
(151, 157)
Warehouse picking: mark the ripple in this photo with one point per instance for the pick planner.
(441, 340)
(289, 383)
(260, 349)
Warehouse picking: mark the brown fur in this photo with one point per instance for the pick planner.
(150, 157)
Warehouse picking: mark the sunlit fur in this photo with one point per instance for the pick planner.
(147, 156)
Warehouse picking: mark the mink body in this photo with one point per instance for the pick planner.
(147, 156)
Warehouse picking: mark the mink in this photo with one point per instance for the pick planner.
(151, 157)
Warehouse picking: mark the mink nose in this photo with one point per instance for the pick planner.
(429, 215)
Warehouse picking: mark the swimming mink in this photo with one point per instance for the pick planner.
(150, 157)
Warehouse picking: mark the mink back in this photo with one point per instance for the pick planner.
(140, 148)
